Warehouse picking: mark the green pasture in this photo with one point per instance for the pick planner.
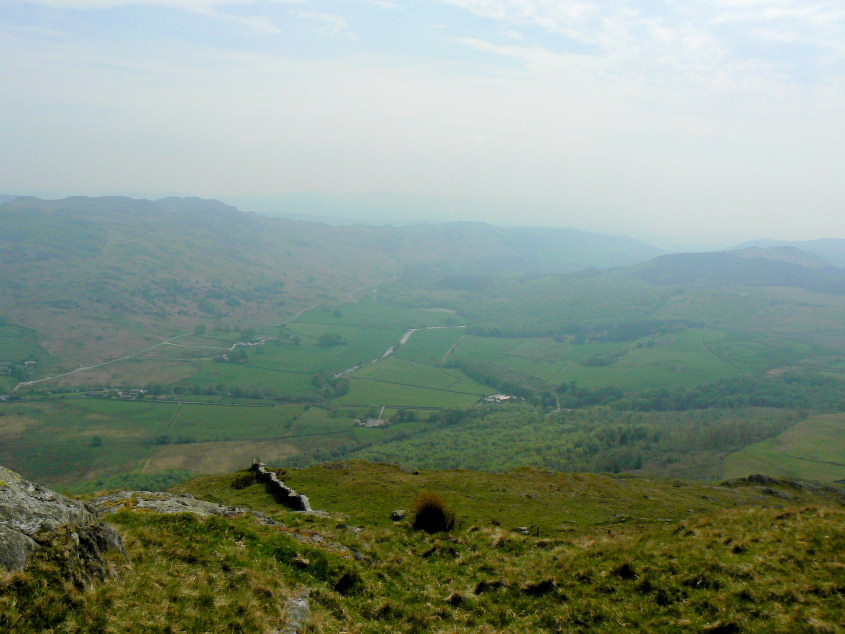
(775, 312)
(363, 344)
(73, 439)
(211, 339)
(234, 375)
(680, 359)
(230, 422)
(484, 348)
(278, 355)
(174, 352)
(18, 344)
(430, 345)
(813, 449)
(371, 391)
(368, 312)
(398, 370)
(54, 441)
(753, 354)
(684, 358)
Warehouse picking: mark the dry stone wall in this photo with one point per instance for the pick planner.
(281, 492)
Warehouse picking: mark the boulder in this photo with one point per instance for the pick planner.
(27, 507)
(15, 548)
(32, 517)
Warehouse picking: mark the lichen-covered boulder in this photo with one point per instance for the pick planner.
(31, 515)
(27, 507)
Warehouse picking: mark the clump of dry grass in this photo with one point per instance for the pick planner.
(432, 515)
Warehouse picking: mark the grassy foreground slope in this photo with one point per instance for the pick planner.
(611, 554)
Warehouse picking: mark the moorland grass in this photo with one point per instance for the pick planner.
(749, 566)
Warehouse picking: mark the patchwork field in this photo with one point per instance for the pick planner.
(419, 350)
(71, 440)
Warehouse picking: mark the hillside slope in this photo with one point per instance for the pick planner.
(535, 552)
(751, 267)
(97, 277)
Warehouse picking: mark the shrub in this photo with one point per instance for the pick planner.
(432, 515)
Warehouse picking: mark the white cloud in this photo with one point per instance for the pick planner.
(218, 9)
(656, 116)
(699, 41)
(327, 23)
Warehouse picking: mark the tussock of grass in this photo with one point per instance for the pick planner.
(430, 514)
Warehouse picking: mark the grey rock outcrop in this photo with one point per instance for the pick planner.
(298, 610)
(15, 548)
(27, 508)
(31, 516)
(159, 502)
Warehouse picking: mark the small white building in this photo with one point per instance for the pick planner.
(499, 398)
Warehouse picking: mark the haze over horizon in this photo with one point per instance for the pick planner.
(709, 122)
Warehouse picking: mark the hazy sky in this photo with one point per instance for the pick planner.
(696, 119)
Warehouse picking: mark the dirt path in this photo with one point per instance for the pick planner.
(100, 365)
(454, 345)
(352, 293)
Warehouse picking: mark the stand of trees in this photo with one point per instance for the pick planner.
(508, 380)
(787, 391)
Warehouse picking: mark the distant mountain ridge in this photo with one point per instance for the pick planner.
(105, 267)
(772, 266)
(830, 250)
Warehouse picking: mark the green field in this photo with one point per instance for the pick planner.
(369, 312)
(430, 346)
(813, 449)
(683, 359)
(71, 440)
(364, 391)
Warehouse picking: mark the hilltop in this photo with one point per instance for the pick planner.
(829, 250)
(531, 551)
